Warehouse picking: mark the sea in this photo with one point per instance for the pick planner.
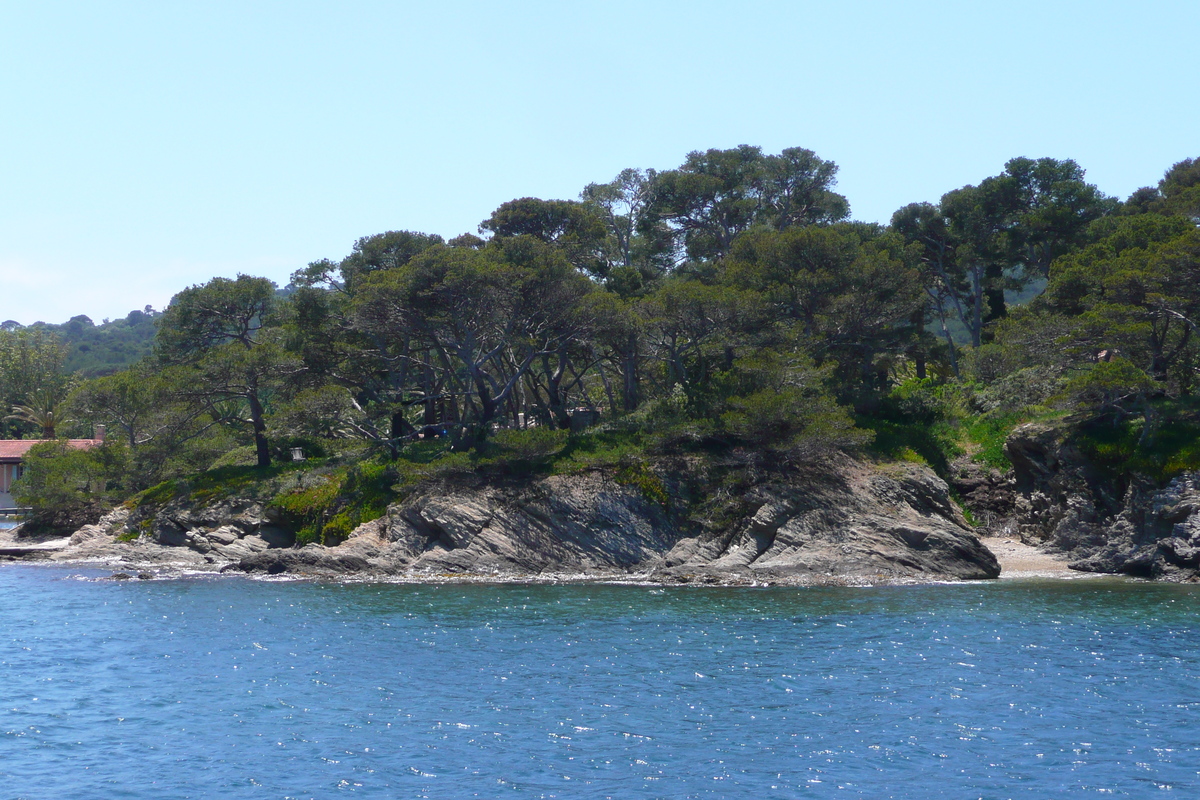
(202, 686)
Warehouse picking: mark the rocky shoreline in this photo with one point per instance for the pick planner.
(1055, 499)
(850, 523)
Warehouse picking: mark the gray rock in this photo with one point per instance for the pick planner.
(892, 526)
(168, 533)
(852, 522)
(198, 541)
(840, 520)
(1065, 503)
(319, 561)
(226, 534)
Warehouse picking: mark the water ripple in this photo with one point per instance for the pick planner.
(231, 688)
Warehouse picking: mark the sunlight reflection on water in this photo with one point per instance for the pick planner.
(228, 687)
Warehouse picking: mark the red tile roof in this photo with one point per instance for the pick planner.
(15, 449)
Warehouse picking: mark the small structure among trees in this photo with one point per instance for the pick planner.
(12, 458)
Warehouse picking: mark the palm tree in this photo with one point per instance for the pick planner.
(42, 410)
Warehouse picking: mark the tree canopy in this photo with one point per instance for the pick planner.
(728, 304)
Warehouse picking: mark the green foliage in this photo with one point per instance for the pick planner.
(103, 349)
(717, 194)
(1141, 301)
(221, 483)
(382, 251)
(157, 495)
(722, 314)
(574, 227)
(600, 449)
(66, 486)
(243, 456)
(918, 417)
(990, 432)
(33, 382)
(522, 451)
(304, 509)
(1122, 449)
(639, 475)
(1109, 387)
(368, 489)
(228, 359)
(848, 291)
(226, 482)
(411, 474)
(792, 419)
(325, 507)
(937, 445)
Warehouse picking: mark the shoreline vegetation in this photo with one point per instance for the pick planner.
(709, 374)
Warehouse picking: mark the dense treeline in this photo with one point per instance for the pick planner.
(727, 306)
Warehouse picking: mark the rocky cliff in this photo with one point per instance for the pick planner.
(849, 521)
(1102, 522)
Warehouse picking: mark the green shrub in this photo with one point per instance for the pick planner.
(66, 487)
(523, 451)
(600, 448)
(936, 444)
(649, 484)
(303, 509)
(245, 456)
(326, 507)
(158, 495)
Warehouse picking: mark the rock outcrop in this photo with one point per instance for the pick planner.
(848, 521)
(183, 533)
(856, 523)
(1102, 524)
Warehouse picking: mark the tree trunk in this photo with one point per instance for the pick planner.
(558, 407)
(629, 376)
(261, 447)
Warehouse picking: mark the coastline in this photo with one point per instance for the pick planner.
(1017, 561)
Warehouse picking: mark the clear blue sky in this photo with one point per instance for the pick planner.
(148, 146)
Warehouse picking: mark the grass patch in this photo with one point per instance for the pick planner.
(598, 449)
(522, 452)
(156, 495)
(225, 482)
(989, 433)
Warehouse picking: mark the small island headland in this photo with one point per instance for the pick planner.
(710, 374)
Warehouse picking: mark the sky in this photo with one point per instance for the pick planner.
(149, 146)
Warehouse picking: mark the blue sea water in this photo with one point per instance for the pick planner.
(236, 688)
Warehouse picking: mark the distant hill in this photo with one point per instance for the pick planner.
(113, 344)
(108, 347)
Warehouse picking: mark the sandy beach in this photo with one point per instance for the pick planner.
(1018, 560)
